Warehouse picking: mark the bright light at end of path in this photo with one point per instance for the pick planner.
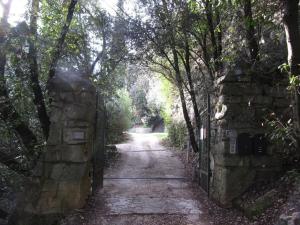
(111, 6)
(17, 11)
(19, 7)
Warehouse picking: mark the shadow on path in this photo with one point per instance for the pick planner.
(147, 186)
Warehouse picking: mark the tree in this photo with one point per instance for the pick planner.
(290, 17)
(250, 31)
(8, 112)
(39, 99)
(160, 34)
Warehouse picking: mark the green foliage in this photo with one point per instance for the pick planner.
(119, 115)
(281, 133)
(75, 54)
(177, 133)
(168, 94)
(140, 103)
(294, 82)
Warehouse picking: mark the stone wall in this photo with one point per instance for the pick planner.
(240, 154)
(63, 174)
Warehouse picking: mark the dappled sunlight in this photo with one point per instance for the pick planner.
(149, 112)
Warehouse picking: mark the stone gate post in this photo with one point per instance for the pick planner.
(64, 170)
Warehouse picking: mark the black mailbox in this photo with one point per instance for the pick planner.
(244, 144)
(260, 144)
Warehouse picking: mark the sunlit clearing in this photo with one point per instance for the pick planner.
(17, 12)
(111, 6)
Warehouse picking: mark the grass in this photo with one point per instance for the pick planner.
(161, 136)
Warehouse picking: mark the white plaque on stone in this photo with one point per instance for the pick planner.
(232, 141)
(75, 136)
(202, 133)
(232, 146)
(78, 135)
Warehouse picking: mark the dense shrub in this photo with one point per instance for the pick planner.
(119, 116)
(177, 133)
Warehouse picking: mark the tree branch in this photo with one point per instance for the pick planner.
(8, 113)
(38, 96)
(61, 40)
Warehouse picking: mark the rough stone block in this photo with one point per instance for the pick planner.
(67, 97)
(283, 220)
(75, 194)
(218, 185)
(263, 174)
(262, 100)
(52, 154)
(49, 186)
(260, 204)
(230, 77)
(282, 102)
(225, 99)
(48, 203)
(220, 148)
(55, 135)
(278, 92)
(77, 124)
(66, 172)
(237, 181)
(230, 183)
(70, 194)
(87, 98)
(253, 90)
(38, 169)
(76, 153)
(56, 112)
(231, 89)
(296, 218)
(77, 111)
(265, 161)
(230, 160)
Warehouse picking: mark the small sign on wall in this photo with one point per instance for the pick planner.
(75, 136)
(232, 143)
(202, 133)
(232, 134)
(78, 135)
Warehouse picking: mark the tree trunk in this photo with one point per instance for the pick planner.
(7, 111)
(61, 40)
(219, 34)
(250, 31)
(187, 118)
(179, 82)
(290, 10)
(183, 102)
(38, 97)
(191, 84)
(291, 25)
(211, 28)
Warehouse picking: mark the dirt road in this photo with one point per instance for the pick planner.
(147, 186)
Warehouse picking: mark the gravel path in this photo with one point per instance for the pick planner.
(146, 186)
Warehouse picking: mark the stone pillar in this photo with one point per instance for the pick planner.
(240, 154)
(64, 171)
